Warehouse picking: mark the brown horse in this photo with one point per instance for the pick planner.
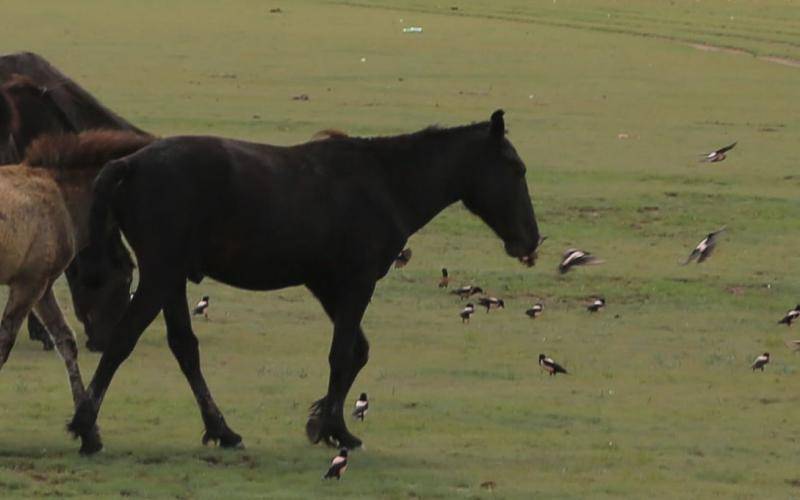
(44, 209)
(36, 99)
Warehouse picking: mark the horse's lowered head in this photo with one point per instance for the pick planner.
(498, 193)
(100, 307)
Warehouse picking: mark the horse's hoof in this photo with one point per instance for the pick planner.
(91, 443)
(334, 434)
(226, 439)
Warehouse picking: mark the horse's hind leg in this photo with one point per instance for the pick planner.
(21, 299)
(184, 346)
(47, 308)
(37, 332)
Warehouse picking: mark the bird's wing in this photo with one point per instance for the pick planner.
(707, 253)
(726, 148)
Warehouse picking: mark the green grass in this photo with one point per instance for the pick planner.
(660, 403)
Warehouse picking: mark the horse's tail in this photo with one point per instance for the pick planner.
(97, 261)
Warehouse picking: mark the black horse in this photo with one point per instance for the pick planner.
(331, 215)
(35, 99)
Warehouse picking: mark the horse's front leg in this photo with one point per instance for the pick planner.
(347, 356)
(145, 306)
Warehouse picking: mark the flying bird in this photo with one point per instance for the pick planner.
(466, 313)
(444, 281)
(491, 303)
(717, 155)
(704, 249)
(760, 362)
(550, 366)
(467, 291)
(535, 311)
(597, 304)
(338, 465)
(362, 406)
(791, 316)
(575, 257)
(402, 258)
(201, 307)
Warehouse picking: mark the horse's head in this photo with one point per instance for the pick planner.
(498, 192)
(100, 308)
(27, 110)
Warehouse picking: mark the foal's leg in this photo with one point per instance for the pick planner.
(47, 308)
(348, 354)
(146, 303)
(184, 345)
(21, 298)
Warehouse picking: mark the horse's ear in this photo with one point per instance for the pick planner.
(498, 126)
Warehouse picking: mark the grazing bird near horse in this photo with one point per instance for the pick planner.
(791, 316)
(201, 307)
(331, 215)
(760, 362)
(362, 406)
(535, 311)
(574, 257)
(338, 465)
(704, 249)
(402, 258)
(597, 304)
(551, 366)
(444, 281)
(717, 155)
(491, 303)
(465, 314)
(467, 291)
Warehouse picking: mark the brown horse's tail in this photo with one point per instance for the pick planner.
(96, 258)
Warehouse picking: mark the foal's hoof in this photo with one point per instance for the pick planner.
(333, 434)
(90, 444)
(225, 439)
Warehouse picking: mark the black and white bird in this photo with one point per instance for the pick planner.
(201, 307)
(791, 316)
(760, 362)
(717, 155)
(704, 249)
(491, 303)
(466, 313)
(444, 281)
(550, 366)
(402, 258)
(535, 311)
(574, 257)
(467, 291)
(362, 406)
(597, 304)
(338, 465)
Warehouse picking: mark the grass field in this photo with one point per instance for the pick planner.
(661, 401)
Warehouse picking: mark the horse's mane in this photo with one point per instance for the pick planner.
(90, 149)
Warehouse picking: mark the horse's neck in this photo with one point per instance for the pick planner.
(425, 180)
(76, 190)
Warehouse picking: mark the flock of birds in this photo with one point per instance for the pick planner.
(571, 258)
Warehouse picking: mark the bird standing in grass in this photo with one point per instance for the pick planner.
(717, 155)
(444, 281)
(491, 303)
(550, 366)
(791, 316)
(760, 362)
(467, 291)
(201, 307)
(338, 465)
(466, 313)
(402, 258)
(362, 406)
(574, 257)
(704, 249)
(535, 311)
(597, 304)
